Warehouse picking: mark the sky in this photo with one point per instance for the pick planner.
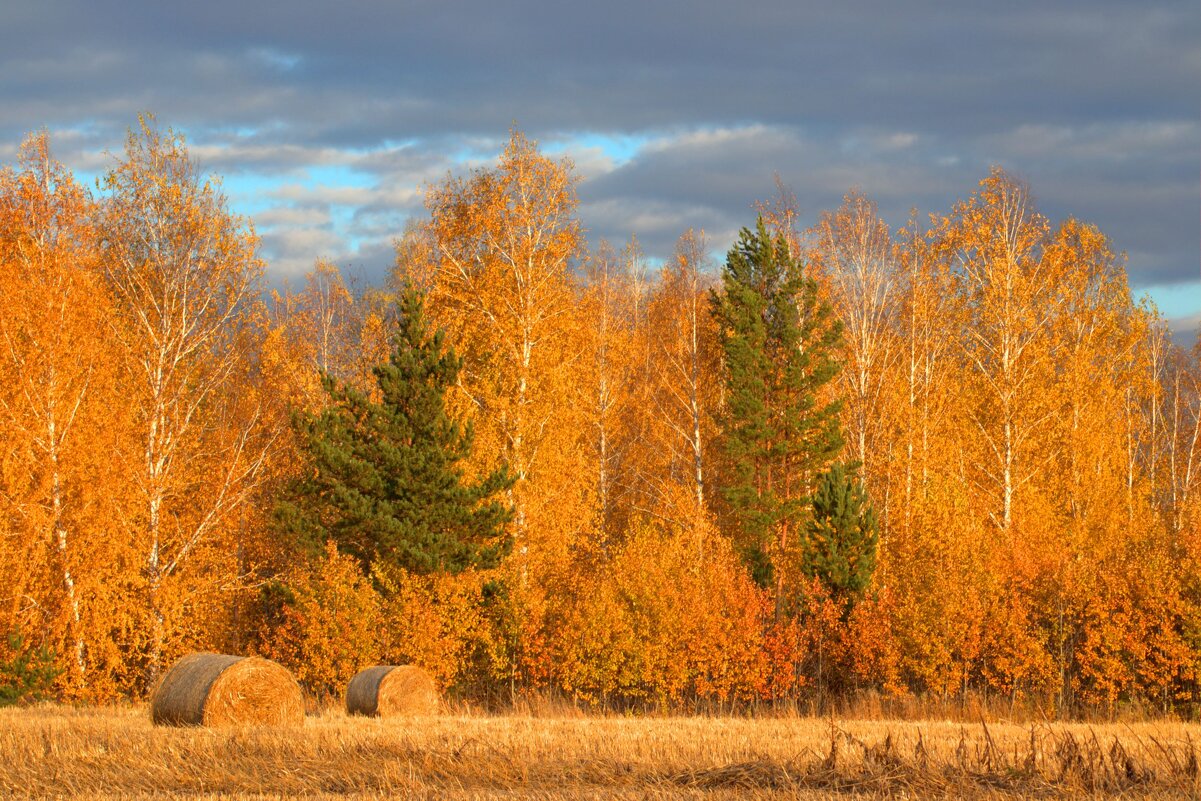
(326, 121)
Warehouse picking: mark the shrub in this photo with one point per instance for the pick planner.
(27, 673)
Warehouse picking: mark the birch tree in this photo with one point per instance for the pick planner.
(504, 242)
(58, 397)
(686, 374)
(857, 257)
(186, 277)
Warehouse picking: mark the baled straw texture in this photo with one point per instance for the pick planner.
(391, 691)
(221, 690)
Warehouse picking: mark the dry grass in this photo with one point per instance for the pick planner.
(116, 753)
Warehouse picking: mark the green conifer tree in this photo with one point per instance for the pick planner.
(779, 341)
(26, 673)
(385, 481)
(839, 546)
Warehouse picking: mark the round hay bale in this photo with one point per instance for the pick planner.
(392, 691)
(221, 690)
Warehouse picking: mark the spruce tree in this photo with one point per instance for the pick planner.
(839, 546)
(779, 341)
(384, 480)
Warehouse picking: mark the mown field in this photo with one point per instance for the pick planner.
(110, 753)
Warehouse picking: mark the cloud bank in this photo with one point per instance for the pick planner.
(327, 120)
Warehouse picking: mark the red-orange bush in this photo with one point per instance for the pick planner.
(324, 624)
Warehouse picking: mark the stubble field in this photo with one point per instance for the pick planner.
(110, 753)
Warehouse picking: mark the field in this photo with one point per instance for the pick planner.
(60, 752)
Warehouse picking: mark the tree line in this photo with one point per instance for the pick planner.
(954, 459)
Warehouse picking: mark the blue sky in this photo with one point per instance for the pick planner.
(326, 122)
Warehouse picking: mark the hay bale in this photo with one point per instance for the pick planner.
(392, 691)
(221, 690)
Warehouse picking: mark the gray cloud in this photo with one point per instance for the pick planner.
(1129, 179)
(1094, 103)
(353, 72)
(1186, 331)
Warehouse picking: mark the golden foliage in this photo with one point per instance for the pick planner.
(1028, 433)
(325, 624)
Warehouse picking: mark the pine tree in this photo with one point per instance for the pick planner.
(779, 340)
(386, 483)
(839, 546)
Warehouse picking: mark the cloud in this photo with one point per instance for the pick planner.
(1186, 331)
(366, 71)
(328, 120)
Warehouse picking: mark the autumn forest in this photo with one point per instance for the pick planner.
(956, 459)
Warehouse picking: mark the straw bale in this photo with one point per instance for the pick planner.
(220, 690)
(392, 691)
